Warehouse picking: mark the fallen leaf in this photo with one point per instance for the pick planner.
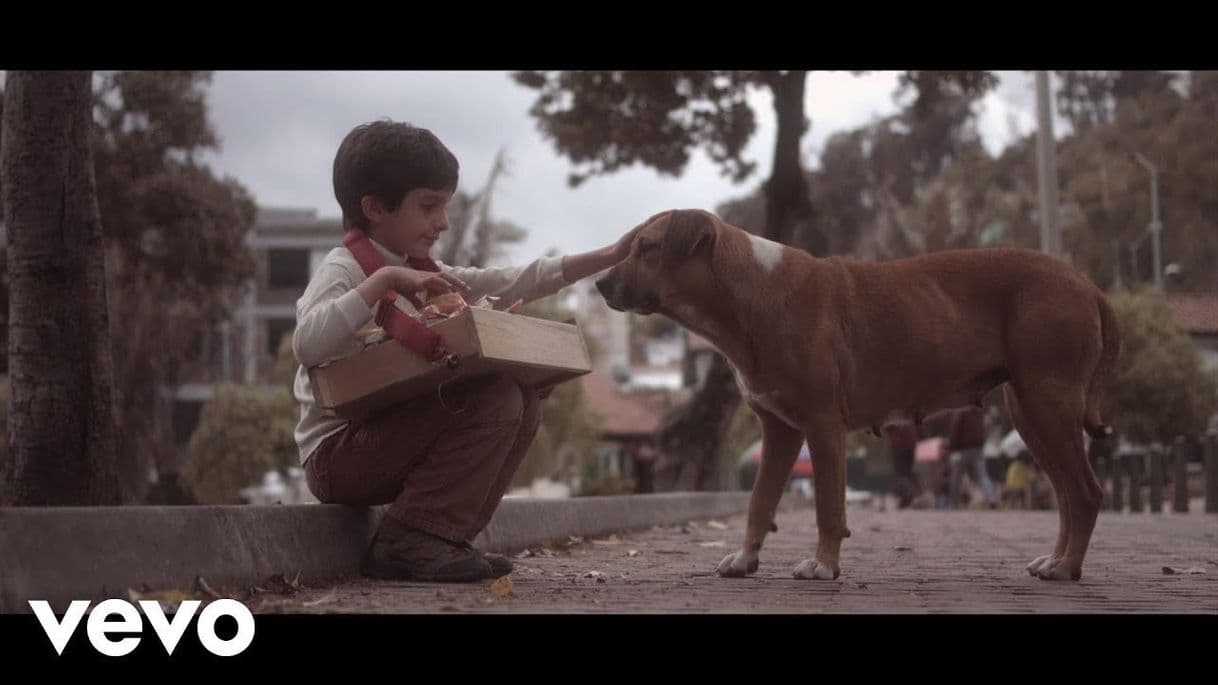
(592, 574)
(716, 543)
(503, 587)
(160, 596)
(632, 553)
(206, 589)
(280, 585)
(716, 525)
(525, 554)
(323, 600)
(1169, 570)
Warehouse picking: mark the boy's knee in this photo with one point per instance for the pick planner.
(503, 399)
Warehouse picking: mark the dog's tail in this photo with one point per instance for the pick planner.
(1110, 337)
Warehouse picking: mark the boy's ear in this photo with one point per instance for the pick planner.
(371, 207)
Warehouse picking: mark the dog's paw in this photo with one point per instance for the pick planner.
(1038, 563)
(737, 564)
(811, 568)
(1058, 570)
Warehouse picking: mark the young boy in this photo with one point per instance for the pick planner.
(442, 463)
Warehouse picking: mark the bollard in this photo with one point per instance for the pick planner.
(1211, 475)
(1180, 454)
(1133, 466)
(1156, 480)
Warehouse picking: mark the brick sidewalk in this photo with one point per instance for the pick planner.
(895, 562)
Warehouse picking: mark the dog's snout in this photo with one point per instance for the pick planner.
(611, 291)
(605, 284)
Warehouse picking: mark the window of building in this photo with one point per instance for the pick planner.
(275, 330)
(287, 268)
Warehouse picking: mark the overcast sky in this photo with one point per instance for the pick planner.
(279, 131)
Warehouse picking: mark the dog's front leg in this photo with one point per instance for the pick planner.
(780, 445)
(826, 439)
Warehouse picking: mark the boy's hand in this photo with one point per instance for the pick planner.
(579, 266)
(621, 249)
(406, 280)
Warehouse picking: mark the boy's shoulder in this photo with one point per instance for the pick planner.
(340, 259)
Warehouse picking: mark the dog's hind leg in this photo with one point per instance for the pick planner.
(1050, 415)
(779, 448)
(1014, 411)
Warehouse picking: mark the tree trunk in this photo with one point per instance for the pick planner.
(788, 201)
(484, 236)
(691, 434)
(60, 422)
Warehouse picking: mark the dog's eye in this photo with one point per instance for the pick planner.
(645, 247)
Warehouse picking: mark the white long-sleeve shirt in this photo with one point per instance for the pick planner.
(330, 312)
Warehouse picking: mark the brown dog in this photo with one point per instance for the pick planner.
(824, 346)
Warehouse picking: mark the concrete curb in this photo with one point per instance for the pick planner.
(60, 554)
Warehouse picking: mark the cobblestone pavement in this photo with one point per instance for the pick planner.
(895, 562)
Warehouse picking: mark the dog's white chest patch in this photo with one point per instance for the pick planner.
(767, 403)
(763, 400)
(767, 252)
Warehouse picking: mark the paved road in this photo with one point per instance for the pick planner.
(895, 562)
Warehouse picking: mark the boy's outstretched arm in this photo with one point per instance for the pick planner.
(579, 266)
(545, 275)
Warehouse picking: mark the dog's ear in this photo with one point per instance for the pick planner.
(688, 231)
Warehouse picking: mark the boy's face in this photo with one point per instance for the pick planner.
(415, 226)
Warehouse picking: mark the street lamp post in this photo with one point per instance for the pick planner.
(1050, 232)
(1156, 227)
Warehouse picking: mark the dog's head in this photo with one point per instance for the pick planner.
(669, 261)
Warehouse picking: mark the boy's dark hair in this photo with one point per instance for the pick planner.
(388, 159)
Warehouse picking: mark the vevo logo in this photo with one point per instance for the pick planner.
(170, 632)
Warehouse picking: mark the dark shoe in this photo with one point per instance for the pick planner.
(400, 552)
(500, 565)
